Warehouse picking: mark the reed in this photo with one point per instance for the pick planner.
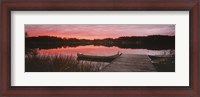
(58, 63)
(164, 63)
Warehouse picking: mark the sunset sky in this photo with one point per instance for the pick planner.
(98, 31)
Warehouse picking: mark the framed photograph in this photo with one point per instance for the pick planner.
(139, 48)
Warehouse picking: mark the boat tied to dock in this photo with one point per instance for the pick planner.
(97, 58)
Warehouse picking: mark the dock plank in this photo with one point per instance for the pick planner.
(130, 63)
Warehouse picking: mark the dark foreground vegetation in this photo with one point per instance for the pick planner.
(164, 64)
(58, 63)
(156, 42)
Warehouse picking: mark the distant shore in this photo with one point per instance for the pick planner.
(155, 42)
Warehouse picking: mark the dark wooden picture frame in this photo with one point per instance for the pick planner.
(193, 90)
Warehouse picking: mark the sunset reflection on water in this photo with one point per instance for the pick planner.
(101, 50)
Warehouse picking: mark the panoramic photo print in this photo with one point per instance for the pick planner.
(99, 47)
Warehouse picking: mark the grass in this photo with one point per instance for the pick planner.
(58, 63)
(164, 64)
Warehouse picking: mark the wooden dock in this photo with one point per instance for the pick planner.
(130, 63)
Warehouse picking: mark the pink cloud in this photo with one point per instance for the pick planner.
(92, 31)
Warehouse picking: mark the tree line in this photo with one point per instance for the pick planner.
(154, 42)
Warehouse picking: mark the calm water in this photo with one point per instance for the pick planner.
(102, 50)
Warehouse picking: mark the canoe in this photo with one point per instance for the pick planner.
(97, 58)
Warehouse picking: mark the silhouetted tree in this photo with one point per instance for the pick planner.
(145, 42)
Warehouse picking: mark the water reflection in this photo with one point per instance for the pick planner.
(65, 59)
(102, 50)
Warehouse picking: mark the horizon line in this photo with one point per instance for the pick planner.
(102, 38)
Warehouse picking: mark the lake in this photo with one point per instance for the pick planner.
(58, 59)
(102, 50)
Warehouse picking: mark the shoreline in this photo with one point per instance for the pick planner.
(163, 63)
